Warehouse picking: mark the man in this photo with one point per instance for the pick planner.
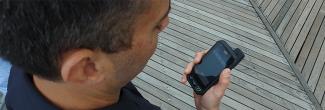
(83, 54)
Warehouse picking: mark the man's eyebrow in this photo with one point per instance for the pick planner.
(166, 14)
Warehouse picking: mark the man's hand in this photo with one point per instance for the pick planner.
(211, 99)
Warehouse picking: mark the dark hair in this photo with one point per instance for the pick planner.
(34, 34)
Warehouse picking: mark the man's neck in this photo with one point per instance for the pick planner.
(75, 98)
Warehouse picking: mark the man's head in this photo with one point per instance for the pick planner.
(84, 42)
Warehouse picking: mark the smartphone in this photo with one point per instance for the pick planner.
(206, 74)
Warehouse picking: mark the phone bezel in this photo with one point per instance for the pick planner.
(199, 82)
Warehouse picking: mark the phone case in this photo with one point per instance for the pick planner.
(237, 55)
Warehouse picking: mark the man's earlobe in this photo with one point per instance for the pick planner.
(78, 67)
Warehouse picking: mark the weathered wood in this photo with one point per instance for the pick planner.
(189, 39)
(256, 97)
(156, 101)
(241, 4)
(263, 80)
(286, 68)
(259, 2)
(270, 7)
(320, 88)
(286, 20)
(281, 15)
(169, 64)
(173, 66)
(310, 63)
(317, 69)
(294, 37)
(276, 10)
(257, 90)
(173, 31)
(276, 57)
(323, 103)
(296, 48)
(265, 4)
(261, 77)
(242, 99)
(222, 13)
(293, 21)
(253, 29)
(170, 99)
(310, 39)
(230, 10)
(234, 7)
(247, 52)
(244, 2)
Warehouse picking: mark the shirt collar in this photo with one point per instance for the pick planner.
(23, 95)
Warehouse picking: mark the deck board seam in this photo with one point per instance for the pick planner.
(286, 54)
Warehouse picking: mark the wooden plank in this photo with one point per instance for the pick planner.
(259, 2)
(178, 94)
(249, 103)
(254, 30)
(300, 24)
(320, 88)
(246, 2)
(291, 89)
(286, 20)
(177, 31)
(241, 4)
(281, 15)
(265, 4)
(317, 69)
(269, 8)
(299, 100)
(196, 33)
(234, 7)
(268, 95)
(245, 50)
(256, 97)
(323, 103)
(256, 41)
(279, 65)
(300, 62)
(169, 98)
(229, 10)
(208, 29)
(293, 21)
(307, 69)
(276, 10)
(163, 77)
(272, 75)
(224, 14)
(156, 101)
(167, 88)
(305, 29)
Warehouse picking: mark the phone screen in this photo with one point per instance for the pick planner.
(213, 63)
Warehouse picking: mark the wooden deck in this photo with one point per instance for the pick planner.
(263, 80)
(301, 28)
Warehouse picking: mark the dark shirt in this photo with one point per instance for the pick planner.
(23, 95)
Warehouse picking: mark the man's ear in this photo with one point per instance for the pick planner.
(79, 66)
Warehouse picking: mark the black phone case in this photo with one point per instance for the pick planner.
(237, 54)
